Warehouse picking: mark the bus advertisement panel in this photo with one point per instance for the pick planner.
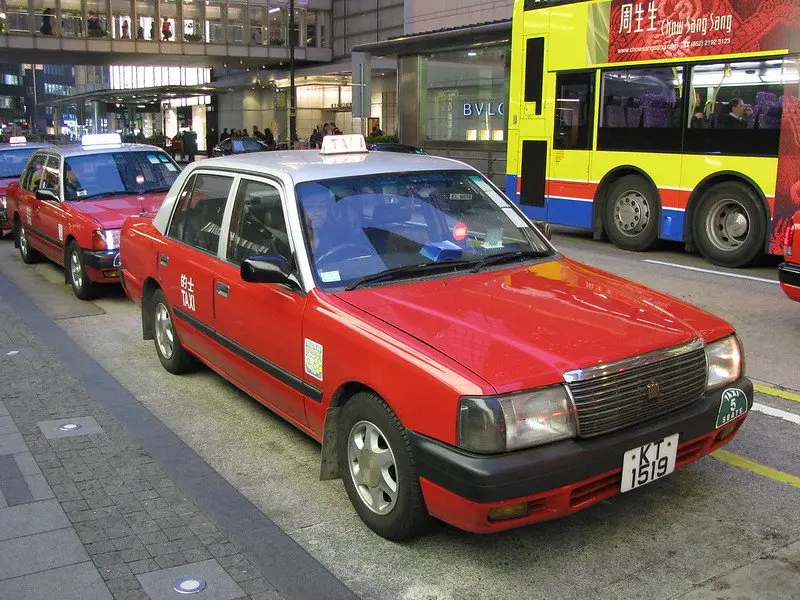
(659, 29)
(669, 123)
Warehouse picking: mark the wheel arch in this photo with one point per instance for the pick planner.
(67, 241)
(709, 182)
(601, 195)
(148, 290)
(329, 465)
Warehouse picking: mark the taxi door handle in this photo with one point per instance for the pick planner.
(222, 289)
(163, 260)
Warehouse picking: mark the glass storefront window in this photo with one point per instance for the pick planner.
(192, 21)
(311, 29)
(256, 24)
(145, 20)
(213, 25)
(44, 17)
(236, 14)
(299, 19)
(169, 19)
(121, 19)
(97, 18)
(463, 95)
(277, 24)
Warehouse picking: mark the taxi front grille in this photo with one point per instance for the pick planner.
(609, 402)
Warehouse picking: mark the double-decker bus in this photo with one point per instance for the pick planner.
(647, 120)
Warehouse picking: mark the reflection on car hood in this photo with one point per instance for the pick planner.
(521, 328)
(112, 212)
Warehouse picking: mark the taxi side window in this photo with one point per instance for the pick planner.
(197, 220)
(258, 226)
(34, 172)
(50, 179)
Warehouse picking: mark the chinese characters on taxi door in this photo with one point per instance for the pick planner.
(187, 292)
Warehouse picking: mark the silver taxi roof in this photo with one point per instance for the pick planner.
(30, 145)
(310, 165)
(80, 150)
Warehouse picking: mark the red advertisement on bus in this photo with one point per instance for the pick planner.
(787, 187)
(658, 29)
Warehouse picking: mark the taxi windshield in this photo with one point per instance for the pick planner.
(358, 229)
(12, 162)
(111, 173)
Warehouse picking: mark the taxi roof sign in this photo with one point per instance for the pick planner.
(344, 144)
(100, 139)
(17, 139)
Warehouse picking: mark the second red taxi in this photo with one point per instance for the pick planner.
(70, 202)
(13, 157)
(403, 312)
(789, 270)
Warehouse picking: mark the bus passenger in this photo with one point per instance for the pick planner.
(734, 119)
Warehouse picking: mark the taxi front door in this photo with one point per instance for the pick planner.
(261, 324)
(52, 215)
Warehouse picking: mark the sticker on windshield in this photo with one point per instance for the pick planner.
(60, 232)
(80, 193)
(313, 359)
(153, 159)
(139, 179)
(170, 167)
(330, 276)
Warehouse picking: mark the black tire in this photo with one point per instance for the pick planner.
(408, 517)
(175, 359)
(29, 255)
(84, 288)
(631, 213)
(729, 226)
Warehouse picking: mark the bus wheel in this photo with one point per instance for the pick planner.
(729, 226)
(631, 213)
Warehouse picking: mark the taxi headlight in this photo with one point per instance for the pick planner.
(724, 359)
(3, 202)
(489, 424)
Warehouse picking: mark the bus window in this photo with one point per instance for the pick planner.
(573, 118)
(641, 109)
(736, 108)
(534, 72)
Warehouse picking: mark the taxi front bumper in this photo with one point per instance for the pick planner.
(462, 488)
(102, 266)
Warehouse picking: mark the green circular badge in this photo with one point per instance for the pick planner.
(733, 404)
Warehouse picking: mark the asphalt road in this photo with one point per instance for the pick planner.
(713, 531)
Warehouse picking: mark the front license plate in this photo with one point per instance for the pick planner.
(647, 463)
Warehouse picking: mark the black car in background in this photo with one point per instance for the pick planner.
(239, 146)
(405, 149)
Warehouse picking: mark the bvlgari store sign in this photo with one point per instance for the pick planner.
(484, 109)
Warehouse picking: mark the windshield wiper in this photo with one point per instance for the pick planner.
(106, 195)
(409, 271)
(496, 259)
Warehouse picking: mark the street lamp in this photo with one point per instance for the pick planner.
(292, 89)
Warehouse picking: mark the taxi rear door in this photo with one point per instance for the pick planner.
(188, 260)
(261, 323)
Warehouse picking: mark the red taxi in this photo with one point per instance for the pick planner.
(789, 271)
(13, 157)
(403, 312)
(71, 201)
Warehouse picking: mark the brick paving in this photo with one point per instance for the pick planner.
(98, 515)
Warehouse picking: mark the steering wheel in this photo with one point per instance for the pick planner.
(337, 249)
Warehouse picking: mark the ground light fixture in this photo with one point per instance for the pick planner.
(69, 427)
(472, 53)
(189, 585)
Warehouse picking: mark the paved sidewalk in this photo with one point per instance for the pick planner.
(86, 513)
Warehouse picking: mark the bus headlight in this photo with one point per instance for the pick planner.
(490, 424)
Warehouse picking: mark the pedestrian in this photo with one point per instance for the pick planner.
(269, 138)
(166, 30)
(176, 146)
(376, 130)
(189, 139)
(47, 22)
(335, 130)
(126, 30)
(257, 134)
(140, 33)
(316, 137)
(245, 134)
(224, 135)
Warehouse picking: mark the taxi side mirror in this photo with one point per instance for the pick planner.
(271, 268)
(47, 195)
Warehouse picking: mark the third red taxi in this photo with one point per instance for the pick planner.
(71, 201)
(403, 312)
(14, 156)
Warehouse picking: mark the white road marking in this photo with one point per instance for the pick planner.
(776, 412)
(677, 266)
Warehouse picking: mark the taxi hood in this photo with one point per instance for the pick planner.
(111, 213)
(524, 327)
